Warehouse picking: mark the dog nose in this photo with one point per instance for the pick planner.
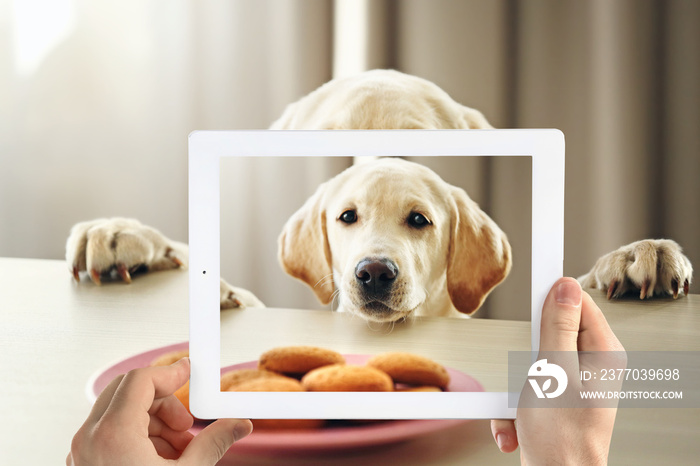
(376, 275)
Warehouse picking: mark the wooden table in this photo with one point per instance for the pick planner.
(57, 333)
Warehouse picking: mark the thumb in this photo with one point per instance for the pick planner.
(561, 316)
(212, 443)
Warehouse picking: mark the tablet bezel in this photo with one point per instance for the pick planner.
(544, 146)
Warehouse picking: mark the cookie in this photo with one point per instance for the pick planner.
(343, 378)
(268, 384)
(411, 369)
(276, 383)
(170, 358)
(235, 377)
(298, 360)
(183, 394)
(422, 388)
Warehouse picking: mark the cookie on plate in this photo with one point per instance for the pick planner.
(170, 357)
(268, 384)
(411, 369)
(422, 388)
(277, 384)
(237, 376)
(344, 378)
(298, 360)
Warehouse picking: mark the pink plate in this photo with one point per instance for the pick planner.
(330, 438)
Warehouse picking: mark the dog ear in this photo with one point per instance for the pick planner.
(303, 249)
(479, 257)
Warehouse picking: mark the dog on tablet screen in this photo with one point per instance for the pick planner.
(397, 241)
(389, 238)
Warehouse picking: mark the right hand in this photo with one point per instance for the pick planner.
(571, 321)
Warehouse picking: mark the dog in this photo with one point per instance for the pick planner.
(369, 252)
(397, 241)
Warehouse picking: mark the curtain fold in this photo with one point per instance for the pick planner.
(93, 121)
(619, 78)
(98, 126)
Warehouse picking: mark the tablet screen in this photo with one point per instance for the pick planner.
(371, 269)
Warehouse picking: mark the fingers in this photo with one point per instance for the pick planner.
(169, 409)
(561, 316)
(164, 449)
(214, 441)
(139, 389)
(172, 412)
(504, 434)
(595, 334)
(137, 413)
(169, 443)
(103, 400)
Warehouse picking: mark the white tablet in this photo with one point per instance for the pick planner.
(244, 185)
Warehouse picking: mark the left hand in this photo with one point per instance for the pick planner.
(138, 420)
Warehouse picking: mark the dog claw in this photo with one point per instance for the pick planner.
(686, 287)
(674, 286)
(234, 300)
(174, 260)
(76, 273)
(124, 273)
(612, 289)
(95, 275)
(645, 289)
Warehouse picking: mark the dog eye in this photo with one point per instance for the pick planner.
(417, 220)
(349, 216)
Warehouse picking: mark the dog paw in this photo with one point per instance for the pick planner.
(648, 267)
(122, 246)
(237, 298)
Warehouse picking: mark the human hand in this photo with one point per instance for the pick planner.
(138, 420)
(571, 321)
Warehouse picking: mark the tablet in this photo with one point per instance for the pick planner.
(243, 187)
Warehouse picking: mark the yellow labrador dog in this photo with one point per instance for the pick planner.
(397, 241)
(370, 235)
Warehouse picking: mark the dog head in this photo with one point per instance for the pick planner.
(390, 238)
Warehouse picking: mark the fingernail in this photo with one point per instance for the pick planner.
(242, 430)
(501, 440)
(568, 292)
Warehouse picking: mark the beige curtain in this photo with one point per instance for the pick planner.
(98, 99)
(621, 79)
(94, 122)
